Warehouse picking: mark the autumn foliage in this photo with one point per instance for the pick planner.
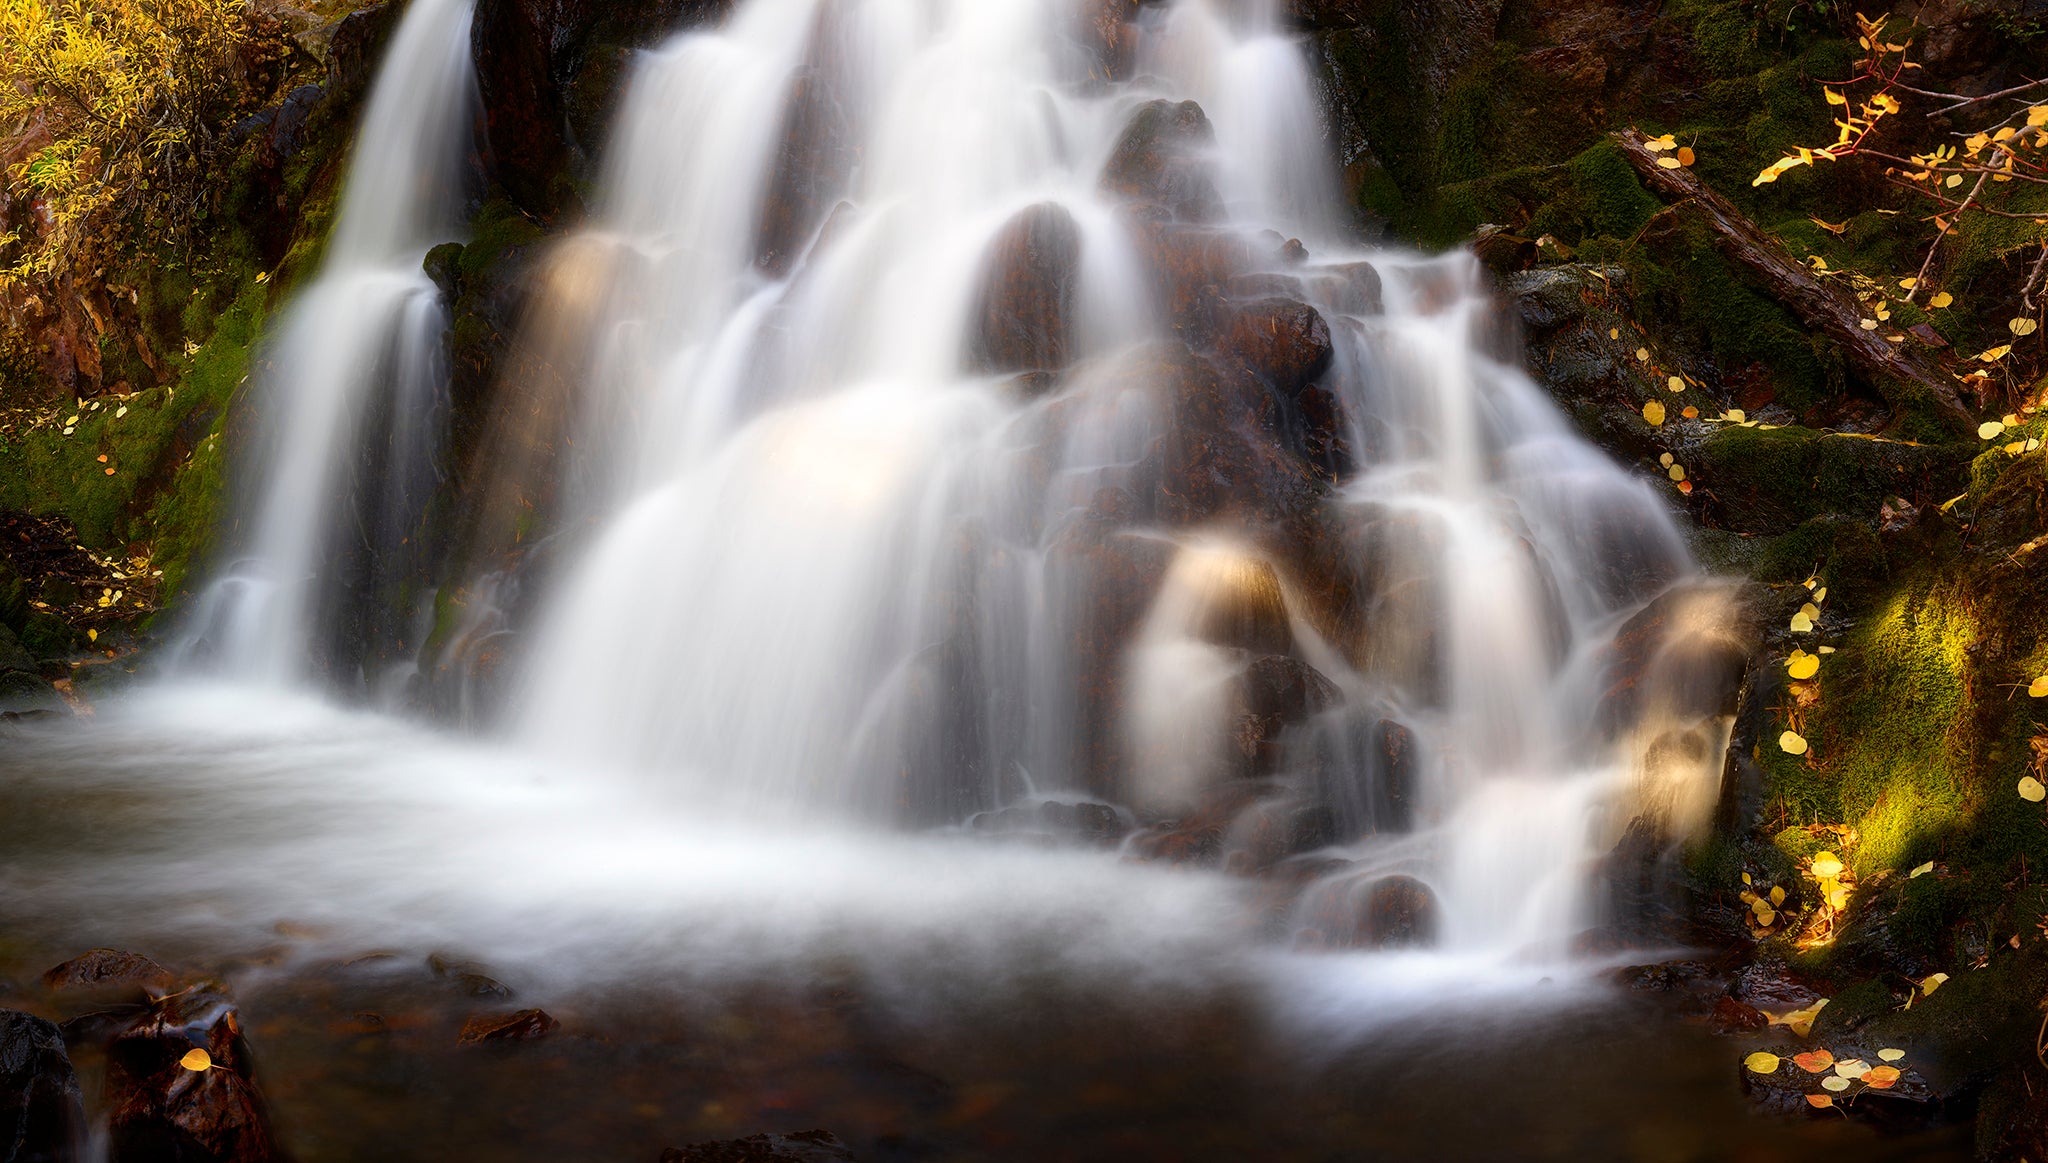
(115, 109)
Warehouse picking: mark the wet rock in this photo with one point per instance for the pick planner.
(816, 153)
(518, 1026)
(1285, 342)
(1396, 746)
(158, 1109)
(25, 693)
(1768, 983)
(795, 1147)
(1286, 689)
(1274, 831)
(1024, 313)
(1732, 1017)
(42, 1119)
(1684, 652)
(1189, 268)
(1160, 160)
(1107, 35)
(1400, 911)
(1197, 838)
(1085, 822)
(1219, 458)
(111, 971)
(466, 976)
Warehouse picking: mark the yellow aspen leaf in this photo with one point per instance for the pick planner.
(1792, 743)
(92, 635)
(1833, 97)
(1931, 983)
(1814, 1061)
(1953, 181)
(1803, 668)
(2039, 687)
(1868, 325)
(120, 411)
(1837, 896)
(1881, 1077)
(1821, 594)
(1665, 460)
(1653, 413)
(1907, 284)
(1614, 333)
(1676, 472)
(1675, 384)
(1826, 865)
(1918, 870)
(1667, 141)
(1643, 354)
(1852, 1069)
(2031, 790)
(2020, 326)
(197, 1060)
(1669, 163)
(1990, 429)
(1777, 896)
(1890, 1055)
(1735, 415)
(1762, 1062)
(1826, 650)
(1746, 879)
(1941, 300)
(1835, 1082)
(2037, 116)
(1748, 898)
(2016, 447)
(1801, 623)
(1765, 917)
(1995, 354)
(1830, 227)
(1685, 155)
(1820, 1100)
(1810, 610)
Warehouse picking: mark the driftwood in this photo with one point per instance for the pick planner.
(1818, 304)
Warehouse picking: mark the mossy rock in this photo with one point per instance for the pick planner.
(1769, 480)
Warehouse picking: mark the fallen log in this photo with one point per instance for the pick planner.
(1900, 372)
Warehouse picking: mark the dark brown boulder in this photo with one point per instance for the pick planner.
(815, 156)
(1106, 34)
(42, 1119)
(159, 1108)
(1023, 315)
(1160, 160)
(110, 971)
(1189, 269)
(519, 1026)
(795, 1147)
(1283, 340)
(1400, 911)
(1684, 652)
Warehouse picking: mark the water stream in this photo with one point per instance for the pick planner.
(834, 575)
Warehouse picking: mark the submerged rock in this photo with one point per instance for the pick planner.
(1284, 341)
(1160, 160)
(795, 1147)
(111, 971)
(518, 1026)
(42, 1119)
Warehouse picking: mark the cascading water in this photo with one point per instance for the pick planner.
(926, 429)
(352, 392)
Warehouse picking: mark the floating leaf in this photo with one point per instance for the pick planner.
(1893, 1055)
(1990, 429)
(1930, 984)
(197, 1060)
(1882, 1077)
(1853, 1068)
(1820, 1100)
(1653, 413)
(1762, 1062)
(1826, 865)
(1835, 1082)
(1803, 668)
(1921, 870)
(2021, 326)
(1814, 1061)
(2031, 790)
(1941, 300)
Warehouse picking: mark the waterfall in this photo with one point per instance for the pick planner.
(964, 405)
(351, 392)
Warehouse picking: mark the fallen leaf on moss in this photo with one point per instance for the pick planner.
(1826, 865)
(1922, 870)
(1803, 667)
(1931, 983)
(1792, 743)
(2039, 687)
(1653, 412)
(1989, 429)
(2031, 790)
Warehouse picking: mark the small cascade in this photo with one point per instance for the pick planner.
(350, 395)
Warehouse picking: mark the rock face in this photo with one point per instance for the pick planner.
(519, 1026)
(160, 1109)
(537, 64)
(816, 152)
(1159, 161)
(41, 1117)
(1285, 342)
(1024, 313)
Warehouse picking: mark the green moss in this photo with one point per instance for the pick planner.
(1770, 480)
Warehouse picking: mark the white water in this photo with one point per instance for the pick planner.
(819, 576)
(351, 389)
